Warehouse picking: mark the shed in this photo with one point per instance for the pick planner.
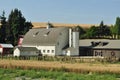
(100, 48)
(5, 48)
(26, 51)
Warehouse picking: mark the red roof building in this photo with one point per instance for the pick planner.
(5, 49)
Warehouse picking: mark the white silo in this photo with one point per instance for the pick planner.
(70, 37)
(76, 42)
(75, 39)
(73, 43)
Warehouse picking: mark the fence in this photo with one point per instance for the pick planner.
(68, 59)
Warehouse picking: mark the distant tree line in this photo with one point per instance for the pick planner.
(12, 27)
(101, 32)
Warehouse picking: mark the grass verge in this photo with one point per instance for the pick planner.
(19, 74)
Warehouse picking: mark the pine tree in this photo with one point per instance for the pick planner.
(18, 25)
(3, 28)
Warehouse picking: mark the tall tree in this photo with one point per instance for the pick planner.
(103, 30)
(117, 27)
(18, 25)
(3, 28)
(112, 30)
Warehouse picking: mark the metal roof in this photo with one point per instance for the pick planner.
(27, 48)
(6, 45)
(45, 37)
(111, 44)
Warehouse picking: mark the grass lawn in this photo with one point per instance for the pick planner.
(19, 74)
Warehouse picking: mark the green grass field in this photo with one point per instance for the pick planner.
(19, 74)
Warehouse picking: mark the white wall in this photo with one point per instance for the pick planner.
(1, 50)
(16, 52)
(72, 52)
(47, 50)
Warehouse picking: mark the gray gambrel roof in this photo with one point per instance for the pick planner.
(110, 44)
(45, 37)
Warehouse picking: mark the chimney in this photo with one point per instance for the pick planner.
(20, 40)
(48, 25)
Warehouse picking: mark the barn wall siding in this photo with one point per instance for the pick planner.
(47, 50)
(107, 53)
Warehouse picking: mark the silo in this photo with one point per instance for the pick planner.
(75, 39)
(70, 37)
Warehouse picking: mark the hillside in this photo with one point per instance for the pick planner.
(42, 25)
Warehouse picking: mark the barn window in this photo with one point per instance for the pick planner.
(52, 51)
(48, 51)
(44, 51)
(96, 53)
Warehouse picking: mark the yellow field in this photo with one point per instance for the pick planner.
(42, 25)
(54, 65)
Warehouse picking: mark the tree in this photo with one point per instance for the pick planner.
(103, 30)
(92, 32)
(3, 28)
(18, 25)
(112, 30)
(117, 27)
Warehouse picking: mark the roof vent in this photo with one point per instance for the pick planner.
(46, 34)
(35, 34)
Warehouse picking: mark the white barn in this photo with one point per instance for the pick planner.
(49, 41)
(53, 41)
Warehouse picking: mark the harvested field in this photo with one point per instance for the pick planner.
(42, 25)
(68, 67)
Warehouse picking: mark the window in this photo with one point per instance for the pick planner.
(44, 51)
(52, 51)
(48, 51)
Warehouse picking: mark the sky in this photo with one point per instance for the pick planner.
(65, 11)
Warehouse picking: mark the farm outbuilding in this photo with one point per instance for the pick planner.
(26, 51)
(5, 49)
(100, 48)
